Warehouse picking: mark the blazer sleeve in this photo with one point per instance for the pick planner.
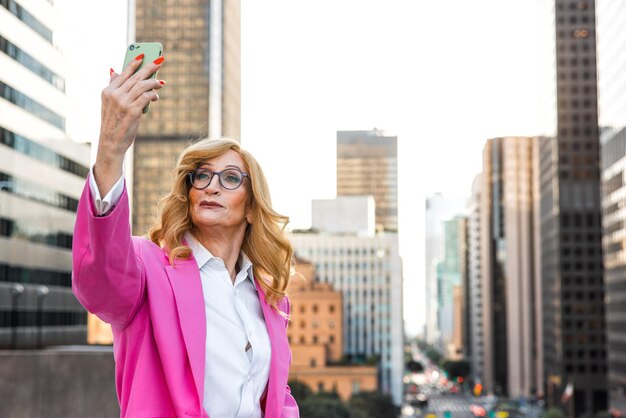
(290, 407)
(107, 276)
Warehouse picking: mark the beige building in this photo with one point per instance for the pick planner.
(510, 292)
(201, 43)
(315, 334)
(367, 164)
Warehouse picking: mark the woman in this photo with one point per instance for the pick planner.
(198, 311)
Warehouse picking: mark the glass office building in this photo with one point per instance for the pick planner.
(42, 175)
(572, 275)
(201, 43)
(611, 20)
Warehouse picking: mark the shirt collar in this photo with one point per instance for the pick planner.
(203, 256)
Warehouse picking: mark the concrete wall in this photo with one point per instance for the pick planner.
(62, 382)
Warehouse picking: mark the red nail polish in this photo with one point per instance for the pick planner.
(139, 57)
(162, 82)
(159, 60)
(111, 72)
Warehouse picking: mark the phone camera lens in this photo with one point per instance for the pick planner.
(132, 47)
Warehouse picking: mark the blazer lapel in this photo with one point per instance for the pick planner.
(279, 362)
(187, 287)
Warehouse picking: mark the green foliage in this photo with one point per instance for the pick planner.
(324, 406)
(456, 368)
(553, 413)
(429, 351)
(372, 405)
(299, 390)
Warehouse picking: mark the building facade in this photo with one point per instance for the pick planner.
(509, 284)
(439, 208)
(572, 274)
(451, 279)
(367, 164)
(474, 307)
(42, 174)
(367, 271)
(201, 43)
(611, 18)
(315, 335)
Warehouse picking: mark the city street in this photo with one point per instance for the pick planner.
(458, 405)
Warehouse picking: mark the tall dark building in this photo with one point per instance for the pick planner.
(201, 43)
(574, 341)
(611, 18)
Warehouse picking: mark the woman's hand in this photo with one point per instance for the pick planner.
(123, 101)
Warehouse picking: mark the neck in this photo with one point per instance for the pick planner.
(223, 243)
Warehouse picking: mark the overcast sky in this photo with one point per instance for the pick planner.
(442, 75)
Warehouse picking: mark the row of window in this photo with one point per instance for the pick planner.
(314, 339)
(46, 318)
(30, 20)
(314, 308)
(37, 193)
(21, 100)
(22, 230)
(32, 64)
(41, 153)
(17, 274)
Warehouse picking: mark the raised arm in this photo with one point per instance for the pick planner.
(107, 276)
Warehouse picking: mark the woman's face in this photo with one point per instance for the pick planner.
(216, 206)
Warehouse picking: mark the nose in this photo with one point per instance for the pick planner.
(214, 185)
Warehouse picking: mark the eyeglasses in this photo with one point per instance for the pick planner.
(229, 179)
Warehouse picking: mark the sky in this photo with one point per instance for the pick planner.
(444, 76)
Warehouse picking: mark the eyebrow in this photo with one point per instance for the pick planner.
(225, 167)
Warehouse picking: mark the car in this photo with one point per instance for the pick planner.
(419, 400)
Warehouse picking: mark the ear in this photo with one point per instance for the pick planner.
(250, 217)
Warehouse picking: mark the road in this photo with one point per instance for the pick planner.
(458, 405)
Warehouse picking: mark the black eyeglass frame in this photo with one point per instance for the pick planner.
(219, 177)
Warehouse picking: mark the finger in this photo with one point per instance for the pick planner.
(128, 71)
(142, 87)
(112, 74)
(143, 100)
(149, 69)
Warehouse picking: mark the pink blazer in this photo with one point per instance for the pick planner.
(158, 319)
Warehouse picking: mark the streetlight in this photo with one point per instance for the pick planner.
(16, 291)
(42, 292)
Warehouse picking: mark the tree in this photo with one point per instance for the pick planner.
(299, 390)
(323, 406)
(553, 413)
(372, 405)
(456, 368)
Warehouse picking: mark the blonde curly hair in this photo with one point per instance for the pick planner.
(265, 242)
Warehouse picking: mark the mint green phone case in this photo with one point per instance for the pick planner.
(151, 51)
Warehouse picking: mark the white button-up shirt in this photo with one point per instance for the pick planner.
(234, 378)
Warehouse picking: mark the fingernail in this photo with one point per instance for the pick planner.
(162, 82)
(139, 57)
(159, 60)
(111, 72)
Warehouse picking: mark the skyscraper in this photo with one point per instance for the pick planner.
(42, 174)
(508, 290)
(201, 43)
(474, 265)
(611, 18)
(367, 164)
(574, 340)
(439, 208)
(451, 278)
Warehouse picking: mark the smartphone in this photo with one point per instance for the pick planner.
(151, 51)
